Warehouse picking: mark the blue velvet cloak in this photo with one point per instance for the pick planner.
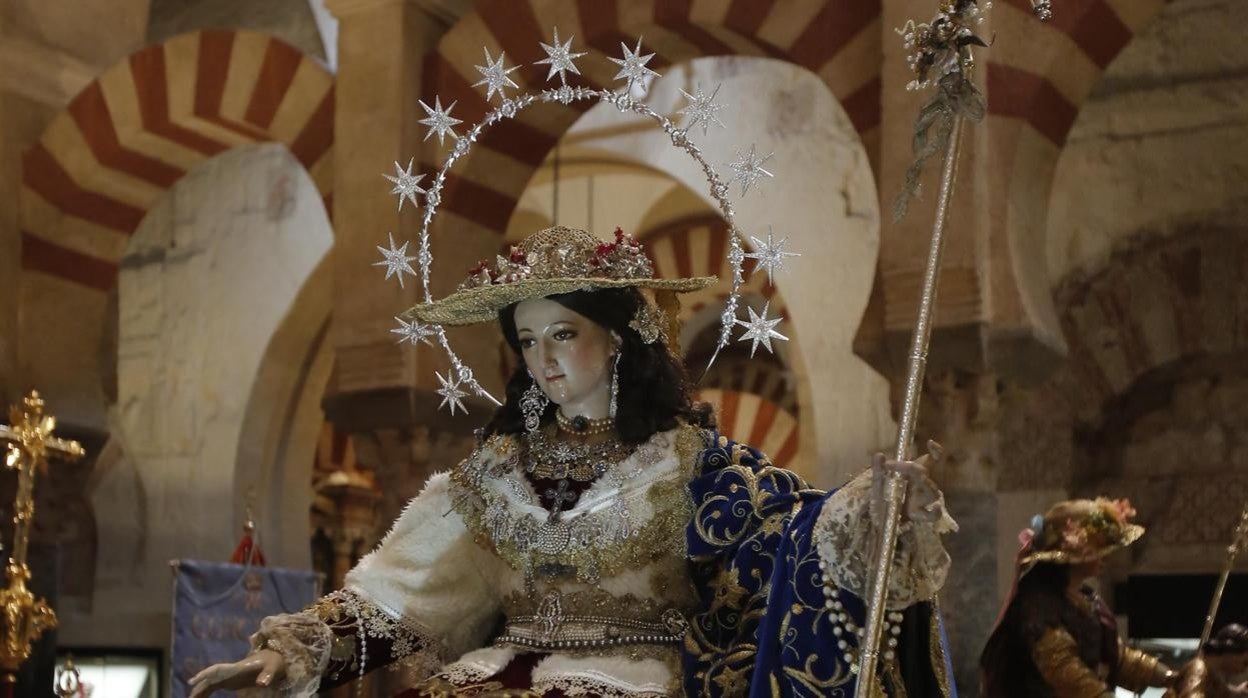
(763, 629)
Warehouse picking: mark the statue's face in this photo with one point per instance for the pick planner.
(568, 354)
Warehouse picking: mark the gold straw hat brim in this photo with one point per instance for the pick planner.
(1062, 557)
(482, 303)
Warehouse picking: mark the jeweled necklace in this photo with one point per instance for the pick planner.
(552, 459)
(584, 426)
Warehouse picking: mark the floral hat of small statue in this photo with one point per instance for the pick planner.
(1079, 530)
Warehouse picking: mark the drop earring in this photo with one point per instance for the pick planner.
(533, 405)
(615, 387)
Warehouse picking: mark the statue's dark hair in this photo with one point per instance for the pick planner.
(655, 392)
(1231, 639)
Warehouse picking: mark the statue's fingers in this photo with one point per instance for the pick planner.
(268, 669)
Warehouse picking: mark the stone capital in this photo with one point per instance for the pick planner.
(446, 12)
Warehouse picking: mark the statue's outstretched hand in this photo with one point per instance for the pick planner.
(923, 498)
(258, 669)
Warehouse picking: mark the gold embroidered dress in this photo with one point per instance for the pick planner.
(476, 573)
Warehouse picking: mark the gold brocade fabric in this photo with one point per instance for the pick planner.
(632, 527)
(1057, 658)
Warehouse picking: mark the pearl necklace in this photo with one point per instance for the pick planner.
(584, 426)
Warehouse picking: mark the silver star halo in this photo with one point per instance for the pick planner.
(702, 109)
(495, 73)
(452, 396)
(633, 65)
(560, 58)
(413, 332)
(406, 185)
(770, 255)
(395, 260)
(760, 329)
(440, 120)
(747, 171)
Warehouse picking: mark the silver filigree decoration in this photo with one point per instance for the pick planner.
(702, 109)
(760, 329)
(406, 184)
(395, 260)
(633, 68)
(495, 75)
(440, 120)
(747, 170)
(560, 58)
(770, 255)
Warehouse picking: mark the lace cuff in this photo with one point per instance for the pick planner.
(304, 642)
(340, 637)
(846, 537)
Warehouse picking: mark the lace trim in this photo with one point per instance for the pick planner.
(304, 642)
(464, 673)
(356, 620)
(593, 543)
(594, 683)
(845, 538)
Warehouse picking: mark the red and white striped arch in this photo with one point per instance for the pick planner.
(138, 128)
(698, 246)
(754, 420)
(1038, 77)
(1040, 73)
(839, 40)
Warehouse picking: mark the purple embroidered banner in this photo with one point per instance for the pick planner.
(218, 605)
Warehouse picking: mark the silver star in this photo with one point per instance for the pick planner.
(440, 120)
(770, 254)
(495, 73)
(406, 185)
(450, 392)
(413, 332)
(761, 330)
(702, 109)
(748, 169)
(633, 65)
(560, 57)
(396, 260)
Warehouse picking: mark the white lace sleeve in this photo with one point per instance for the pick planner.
(845, 539)
(304, 641)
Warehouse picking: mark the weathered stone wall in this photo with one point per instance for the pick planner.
(206, 281)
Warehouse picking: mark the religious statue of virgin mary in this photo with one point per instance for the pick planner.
(603, 539)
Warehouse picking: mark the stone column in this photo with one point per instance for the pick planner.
(382, 392)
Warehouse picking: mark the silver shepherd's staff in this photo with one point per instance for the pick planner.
(940, 53)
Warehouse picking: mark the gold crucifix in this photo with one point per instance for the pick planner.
(28, 443)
